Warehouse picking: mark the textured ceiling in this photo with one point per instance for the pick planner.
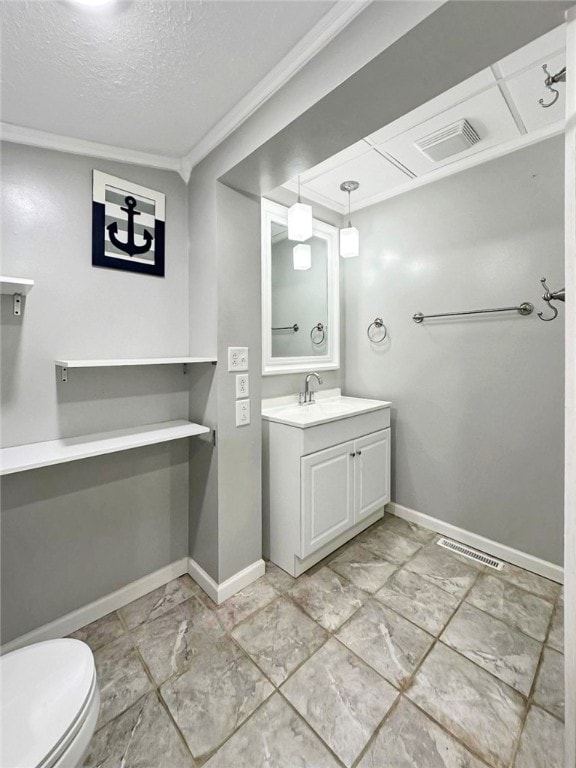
(150, 76)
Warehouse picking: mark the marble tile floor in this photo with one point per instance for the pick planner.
(391, 653)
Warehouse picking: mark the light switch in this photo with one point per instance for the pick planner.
(242, 412)
(237, 358)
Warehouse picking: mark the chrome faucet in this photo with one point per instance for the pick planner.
(307, 397)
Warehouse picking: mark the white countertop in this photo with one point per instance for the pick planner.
(330, 405)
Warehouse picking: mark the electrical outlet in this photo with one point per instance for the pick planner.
(237, 358)
(242, 385)
(242, 412)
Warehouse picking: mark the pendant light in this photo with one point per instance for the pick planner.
(302, 256)
(349, 236)
(299, 220)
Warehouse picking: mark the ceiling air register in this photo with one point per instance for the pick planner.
(450, 140)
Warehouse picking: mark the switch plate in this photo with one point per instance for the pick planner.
(242, 412)
(237, 358)
(242, 385)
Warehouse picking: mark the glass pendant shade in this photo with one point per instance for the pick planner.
(302, 255)
(300, 222)
(349, 242)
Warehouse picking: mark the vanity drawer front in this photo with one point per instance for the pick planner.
(334, 432)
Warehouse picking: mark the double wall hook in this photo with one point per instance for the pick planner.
(551, 296)
(551, 80)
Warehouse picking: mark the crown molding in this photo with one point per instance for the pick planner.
(17, 134)
(330, 25)
(343, 12)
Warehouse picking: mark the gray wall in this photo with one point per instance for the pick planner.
(75, 532)
(218, 270)
(225, 499)
(239, 448)
(292, 131)
(478, 402)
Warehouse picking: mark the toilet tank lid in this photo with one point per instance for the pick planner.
(43, 689)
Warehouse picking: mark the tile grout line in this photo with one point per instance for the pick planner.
(402, 691)
(159, 697)
(314, 731)
(155, 686)
(332, 634)
(437, 640)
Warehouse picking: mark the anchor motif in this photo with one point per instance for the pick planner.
(130, 246)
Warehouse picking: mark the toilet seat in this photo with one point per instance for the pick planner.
(49, 704)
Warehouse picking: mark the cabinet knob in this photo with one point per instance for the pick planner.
(359, 453)
(352, 454)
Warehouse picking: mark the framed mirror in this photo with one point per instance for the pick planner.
(300, 296)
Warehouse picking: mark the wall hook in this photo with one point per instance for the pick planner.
(549, 82)
(551, 296)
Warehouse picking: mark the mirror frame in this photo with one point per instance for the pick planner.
(274, 212)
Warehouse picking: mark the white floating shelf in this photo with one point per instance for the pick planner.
(14, 285)
(132, 361)
(34, 455)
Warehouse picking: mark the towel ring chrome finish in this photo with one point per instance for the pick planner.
(319, 328)
(378, 323)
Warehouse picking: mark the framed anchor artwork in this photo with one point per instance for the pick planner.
(128, 225)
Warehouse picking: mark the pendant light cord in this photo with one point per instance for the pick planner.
(349, 219)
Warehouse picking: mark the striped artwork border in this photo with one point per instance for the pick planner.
(128, 225)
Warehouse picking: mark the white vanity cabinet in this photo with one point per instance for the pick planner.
(322, 483)
(342, 486)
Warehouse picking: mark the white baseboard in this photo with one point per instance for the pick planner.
(220, 592)
(88, 613)
(490, 547)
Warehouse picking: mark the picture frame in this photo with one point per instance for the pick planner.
(128, 226)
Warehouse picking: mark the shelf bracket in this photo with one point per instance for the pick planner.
(17, 304)
(63, 373)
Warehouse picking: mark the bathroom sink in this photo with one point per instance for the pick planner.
(329, 406)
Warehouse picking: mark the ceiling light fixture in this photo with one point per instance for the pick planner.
(349, 236)
(302, 256)
(300, 220)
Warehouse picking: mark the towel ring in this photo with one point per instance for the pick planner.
(319, 327)
(379, 324)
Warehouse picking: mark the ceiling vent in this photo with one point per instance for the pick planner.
(450, 140)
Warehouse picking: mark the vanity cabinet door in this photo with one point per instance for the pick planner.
(327, 488)
(371, 473)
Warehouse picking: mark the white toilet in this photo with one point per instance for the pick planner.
(49, 705)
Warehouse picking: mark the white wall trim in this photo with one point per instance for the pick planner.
(570, 398)
(490, 547)
(330, 25)
(18, 134)
(220, 592)
(96, 610)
